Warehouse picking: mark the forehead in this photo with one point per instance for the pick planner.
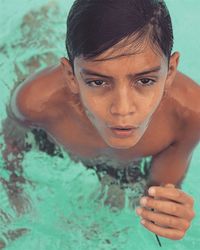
(123, 58)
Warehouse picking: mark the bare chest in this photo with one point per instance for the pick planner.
(71, 131)
(84, 143)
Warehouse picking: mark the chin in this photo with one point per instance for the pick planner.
(122, 144)
(120, 147)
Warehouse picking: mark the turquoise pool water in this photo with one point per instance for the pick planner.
(61, 209)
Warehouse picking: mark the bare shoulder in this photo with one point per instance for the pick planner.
(31, 101)
(186, 93)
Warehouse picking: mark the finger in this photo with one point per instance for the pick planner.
(169, 185)
(168, 207)
(174, 194)
(163, 220)
(173, 234)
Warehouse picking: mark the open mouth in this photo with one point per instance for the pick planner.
(122, 132)
(122, 128)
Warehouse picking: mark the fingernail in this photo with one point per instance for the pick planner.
(143, 201)
(152, 191)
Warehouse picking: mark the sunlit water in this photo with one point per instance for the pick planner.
(62, 209)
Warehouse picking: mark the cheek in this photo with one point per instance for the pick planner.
(94, 104)
(149, 106)
(156, 97)
(93, 108)
(91, 105)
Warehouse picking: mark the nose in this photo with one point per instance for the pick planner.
(123, 103)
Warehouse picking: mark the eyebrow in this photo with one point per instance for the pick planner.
(152, 70)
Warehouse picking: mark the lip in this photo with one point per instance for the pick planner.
(122, 133)
(124, 127)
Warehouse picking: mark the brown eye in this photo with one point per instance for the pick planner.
(146, 82)
(97, 83)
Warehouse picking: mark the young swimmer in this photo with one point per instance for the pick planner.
(119, 98)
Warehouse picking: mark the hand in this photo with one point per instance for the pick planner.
(172, 211)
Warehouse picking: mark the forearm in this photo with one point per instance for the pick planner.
(13, 153)
(170, 166)
(13, 184)
(12, 156)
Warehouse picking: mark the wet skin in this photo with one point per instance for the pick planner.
(75, 107)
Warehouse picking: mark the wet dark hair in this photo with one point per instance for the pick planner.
(93, 26)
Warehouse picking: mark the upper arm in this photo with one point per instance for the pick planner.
(23, 106)
(171, 165)
(15, 108)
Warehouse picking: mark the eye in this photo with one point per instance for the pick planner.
(146, 82)
(97, 83)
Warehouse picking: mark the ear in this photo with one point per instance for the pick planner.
(69, 75)
(173, 65)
